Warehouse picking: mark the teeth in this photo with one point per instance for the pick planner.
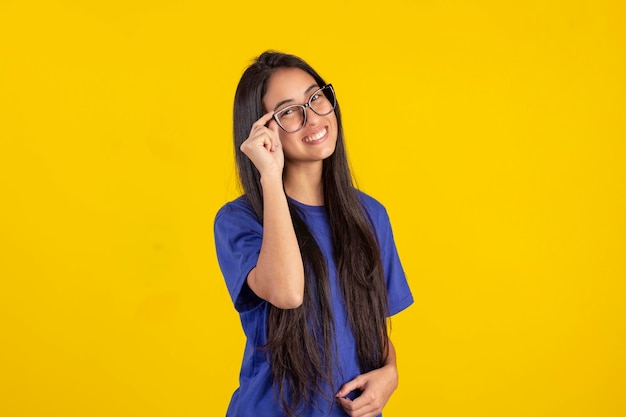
(315, 137)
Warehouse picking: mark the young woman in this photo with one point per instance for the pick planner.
(309, 261)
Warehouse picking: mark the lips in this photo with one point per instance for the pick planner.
(316, 136)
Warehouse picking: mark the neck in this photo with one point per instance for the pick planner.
(304, 184)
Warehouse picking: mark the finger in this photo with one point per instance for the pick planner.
(348, 387)
(345, 403)
(263, 120)
(358, 409)
(276, 143)
(257, 139)
(268, 143)
(359, 405)
(273, 127)
(364, 404)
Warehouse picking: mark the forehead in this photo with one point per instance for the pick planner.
(285, 84)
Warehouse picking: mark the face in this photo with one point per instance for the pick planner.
(317, 139)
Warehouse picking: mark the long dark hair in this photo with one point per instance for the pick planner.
(301, 341)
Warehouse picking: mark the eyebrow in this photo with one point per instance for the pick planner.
(280, 103)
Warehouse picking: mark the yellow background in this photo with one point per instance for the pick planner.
(493, 131)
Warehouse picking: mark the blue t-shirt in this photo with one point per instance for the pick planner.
(238, 237)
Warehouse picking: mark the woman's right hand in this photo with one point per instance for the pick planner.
(263, 146)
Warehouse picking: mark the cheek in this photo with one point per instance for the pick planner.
(285, 138)
(288, 143)
(335, 126)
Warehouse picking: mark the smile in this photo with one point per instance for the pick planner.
(316, 136)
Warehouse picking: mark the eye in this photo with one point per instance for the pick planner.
(288, 112)
(315, 96)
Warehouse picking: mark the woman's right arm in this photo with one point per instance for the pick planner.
(279, 273)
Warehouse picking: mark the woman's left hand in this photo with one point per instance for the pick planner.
(376, 387)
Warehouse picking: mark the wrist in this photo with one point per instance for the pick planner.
(271, 177)
(392, 371)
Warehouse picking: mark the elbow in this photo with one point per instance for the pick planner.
(291, 293)
(289, 301)
(284, 292)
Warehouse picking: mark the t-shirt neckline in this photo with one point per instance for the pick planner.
(307, 207)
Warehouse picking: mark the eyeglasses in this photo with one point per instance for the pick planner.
(293, 118)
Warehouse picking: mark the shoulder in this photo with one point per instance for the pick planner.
(237, 212)
(374, 208)
(239, 206)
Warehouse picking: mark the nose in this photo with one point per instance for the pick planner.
(311, 118)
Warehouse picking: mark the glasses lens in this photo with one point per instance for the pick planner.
(291, 118)
(323, 100)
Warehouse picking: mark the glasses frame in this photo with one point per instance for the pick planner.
(305, 105)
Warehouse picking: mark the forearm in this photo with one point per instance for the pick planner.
(391, 355)
(391, 365)
(279, 274)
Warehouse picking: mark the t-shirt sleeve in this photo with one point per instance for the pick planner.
(398, 291)
(238, 237)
